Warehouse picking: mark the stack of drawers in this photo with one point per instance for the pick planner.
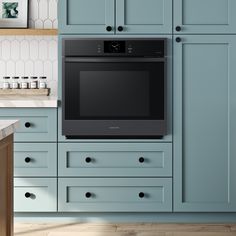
(35, 159)
(115, 177)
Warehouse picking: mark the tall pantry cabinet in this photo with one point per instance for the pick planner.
(204, 105)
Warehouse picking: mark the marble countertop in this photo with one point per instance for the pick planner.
(7, 127)
(28, 101)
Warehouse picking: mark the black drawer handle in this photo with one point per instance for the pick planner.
(27, 195)
(88, 159)
(27, 125)
(141, 195)
(178, 39)
(88, 195)
(178, 28)
(120, 28)
(109, 28)
(27, 159)
(141, 159)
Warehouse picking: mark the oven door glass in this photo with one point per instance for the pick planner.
(114, 90)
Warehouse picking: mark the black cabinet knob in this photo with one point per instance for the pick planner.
(27, 195)
(141, 160)
(27, 159)
(27, 124)
(109, 28)
(178, 39)
(120, 28)
(88, 159)
(141, 195)
(178, 28)
(88, 195)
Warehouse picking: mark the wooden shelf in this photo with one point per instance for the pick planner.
(28, 31)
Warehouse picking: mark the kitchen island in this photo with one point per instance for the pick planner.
(7, 128)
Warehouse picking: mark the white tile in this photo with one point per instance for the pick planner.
(52, 50)
(43, 9)
(43, 50)
(38, 24)
(6, 49)
(24, 49)
(20, 68)
(52, 10)
(15, 50)
(33, 9)
(29, 68)
(38, 68)
(48, 69)
(47, 24)
(34, 49)
(3, 71)
(11, 68)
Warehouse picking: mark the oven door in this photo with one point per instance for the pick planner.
(114, 97)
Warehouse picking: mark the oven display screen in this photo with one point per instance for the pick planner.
(114, 47)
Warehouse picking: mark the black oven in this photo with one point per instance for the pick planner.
(114, 88)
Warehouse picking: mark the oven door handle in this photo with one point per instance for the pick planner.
(112, 59)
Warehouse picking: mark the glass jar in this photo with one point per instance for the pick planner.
(6, 84)
(15, 83)
(33, 82)
(42, 82)
(24, 82)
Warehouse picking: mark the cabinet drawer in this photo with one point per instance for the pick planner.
(115, 159)
(36, 124)
(35, 195)
(35, 159)
(115, 195)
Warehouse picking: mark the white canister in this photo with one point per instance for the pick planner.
(15, 85)
(33, 84)
(6, 85)
(24, 85)
(42, 82)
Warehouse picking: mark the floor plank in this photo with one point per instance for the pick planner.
(143, 229)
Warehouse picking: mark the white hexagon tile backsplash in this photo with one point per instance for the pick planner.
(33, 55)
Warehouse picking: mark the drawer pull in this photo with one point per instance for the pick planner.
(141, 195)
(27, 195)
(27, 125)
(141, 160)
(120, 28)
(88, 159)
(178, 28)
(109, 28)
(27, 159)
(88, 195)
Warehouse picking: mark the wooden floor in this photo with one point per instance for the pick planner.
(85, 229)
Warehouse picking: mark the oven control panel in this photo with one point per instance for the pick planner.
(117, 47)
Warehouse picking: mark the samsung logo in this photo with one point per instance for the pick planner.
(114, 127)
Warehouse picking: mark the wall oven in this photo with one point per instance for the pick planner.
(114, 88)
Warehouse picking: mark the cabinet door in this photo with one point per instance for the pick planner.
(144, 16)
(204, 16)
(205, 124)
(86, 16)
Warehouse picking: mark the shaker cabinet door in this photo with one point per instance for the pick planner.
(205, 124)
(86, 16)
(204, 16)
(143, 16)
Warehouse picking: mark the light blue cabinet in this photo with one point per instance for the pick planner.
(205, 16)
(36, 124)
(86, 16)
(144, 16)
(115, 159)
(35, 159)
(204, 124)
(115, 17)
(114, 195)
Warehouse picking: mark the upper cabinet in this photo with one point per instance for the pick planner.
(204, 16)
(115, 17)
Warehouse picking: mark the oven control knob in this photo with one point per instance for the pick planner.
(109, 28)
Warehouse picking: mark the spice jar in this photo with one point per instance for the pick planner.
(33, 82)
(6, 84)
(42, 82)
(24, 82)
(15, 83)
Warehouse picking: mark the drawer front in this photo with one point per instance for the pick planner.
(36, 124)
(119, 159)
(35, 195)
(35, 159)
(115, 195)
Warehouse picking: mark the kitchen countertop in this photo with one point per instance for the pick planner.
(8, 127)
(28, 101)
